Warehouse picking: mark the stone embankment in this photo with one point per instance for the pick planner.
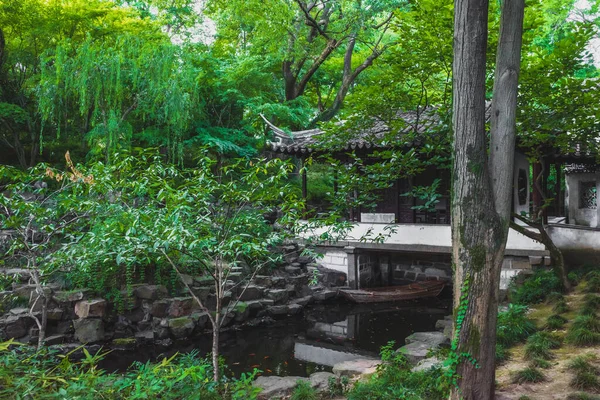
(149, 314)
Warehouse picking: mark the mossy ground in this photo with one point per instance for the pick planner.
(559, 375)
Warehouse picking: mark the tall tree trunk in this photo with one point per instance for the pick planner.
(479, 222)
(215, 347)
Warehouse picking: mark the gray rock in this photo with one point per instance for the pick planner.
(16, 326)
(136, 315)
(64, 327)
(278, 295)
(204, 281)
(303, 300)
(415, 352)
(252, 292)
(90, 308)
(441, 324)
(160, 308)
(294, 308)
(180, 306)
(276, 386)
(432, 339)
(278, 282)
(305, 259)
(290, 269)
(360, 366)
(150, 292)
(255, 305)
(19, 310)
(277, 310)
(200, 319)
(127, 343)
(89, 330)
(427, 364)
(187, 279)
(202, 292)
(263, 280)
(68, 296)
(324, 295)
(320, 381)
(146, 336)
(55, 314)
(181, 327)
(54, 339)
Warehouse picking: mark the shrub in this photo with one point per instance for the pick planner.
(592, 282)
(539, 363)
(555, 322)
(560, 306)
(501, 354)
(554, 297)
(585, 380)
(582, 337)
(304, 391)
(395, 380)
(528, 375)
(514, 326)
(47, 375)
(540, 344)
(589, 322)
(536, 288)
(582, 364)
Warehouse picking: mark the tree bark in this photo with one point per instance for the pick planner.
(479, 221)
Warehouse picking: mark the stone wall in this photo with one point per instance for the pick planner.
(150, 313)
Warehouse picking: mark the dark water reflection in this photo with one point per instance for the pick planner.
(324, 335)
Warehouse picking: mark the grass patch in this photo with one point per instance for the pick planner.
(584, 380)
(536, 288)
(555, 321)
(592, 283)
(528, 375)
(540, 344)
(589, 322)
(560, 307)
(582, 337)
(540, 363)
(514, 326)
(304, 391)
(582, 396)
(582, 364)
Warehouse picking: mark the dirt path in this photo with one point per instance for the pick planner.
(558, 376)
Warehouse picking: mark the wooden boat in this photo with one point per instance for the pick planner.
(417, 290)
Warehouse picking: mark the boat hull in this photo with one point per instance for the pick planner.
(417, 290)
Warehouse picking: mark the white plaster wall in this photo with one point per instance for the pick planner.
(378, 218)
(336, 260)
(572, 238)
(582, 216)
(520, 163)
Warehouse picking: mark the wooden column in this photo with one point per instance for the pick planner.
(304, 182)
(558, 202)
(536, 195)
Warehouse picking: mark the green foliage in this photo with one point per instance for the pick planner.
(48, 375)
(514, 326)
(592, 282)
(394, 380)
(528, 375)
(303, 391)
(539, 345)
(555, 321)
(502, 354)
(536, 288)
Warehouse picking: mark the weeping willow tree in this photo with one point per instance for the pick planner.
(114, 89)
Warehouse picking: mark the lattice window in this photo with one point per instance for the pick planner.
(588, 196)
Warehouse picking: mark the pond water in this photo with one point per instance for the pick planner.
(324, 335)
